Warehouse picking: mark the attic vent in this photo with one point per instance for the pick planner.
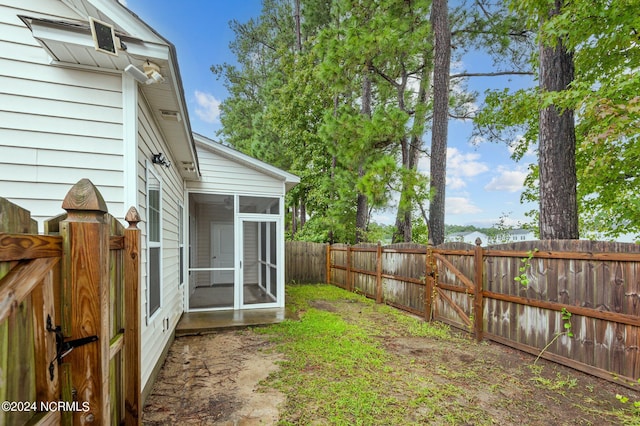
(104, 38)
(188, 166)
(170, 115)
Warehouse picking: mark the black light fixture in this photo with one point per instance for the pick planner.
(159, 159)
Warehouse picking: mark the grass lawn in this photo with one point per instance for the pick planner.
(350, 361)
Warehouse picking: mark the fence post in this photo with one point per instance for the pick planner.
(132, 385)
(379, 273)
(348, 281)
(428, 287)
(86, 279)
(328, 274)
(478, 308)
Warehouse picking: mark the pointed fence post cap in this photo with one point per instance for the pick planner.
(132, 217)
(478, 241)
(84, 196)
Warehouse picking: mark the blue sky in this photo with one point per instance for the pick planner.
(483, 182)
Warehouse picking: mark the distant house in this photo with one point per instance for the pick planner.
(91, 91)
(506, 236)
(468, 237)
(513, 235)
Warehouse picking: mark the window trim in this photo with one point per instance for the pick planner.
(153, 244)
(181, 245)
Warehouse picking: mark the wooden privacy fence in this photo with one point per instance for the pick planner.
(305, 262)
(591, 289)
(69, 315)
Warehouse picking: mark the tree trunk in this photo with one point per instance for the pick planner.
(411, 146)
(298, 32)
(362, 205)
(439, 131)
(294, 219)
(557, 147)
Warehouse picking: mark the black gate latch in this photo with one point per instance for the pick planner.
(63, 348)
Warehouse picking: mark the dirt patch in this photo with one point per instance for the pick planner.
(216, 379)
(213, 379)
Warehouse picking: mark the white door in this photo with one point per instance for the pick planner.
(222, 250)
(259, 266)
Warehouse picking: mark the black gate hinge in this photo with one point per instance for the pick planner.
(63, 348)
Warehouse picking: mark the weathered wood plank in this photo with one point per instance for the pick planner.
(14, 218)
(49, 418)
(593, 313)
(20, 282)
(21, 382)
(23, 247)
(45, 341)
(461, 314)
(609, 256)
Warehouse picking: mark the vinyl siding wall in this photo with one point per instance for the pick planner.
(57, 125)
(157, 331)
(223, 176)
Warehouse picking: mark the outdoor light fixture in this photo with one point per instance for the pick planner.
(159, 159)
(150, 75)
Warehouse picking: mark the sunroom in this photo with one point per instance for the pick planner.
(235, 237)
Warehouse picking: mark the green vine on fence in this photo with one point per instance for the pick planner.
(526, 265)
(566, 319)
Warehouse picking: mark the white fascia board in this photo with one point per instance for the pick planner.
(145, 50)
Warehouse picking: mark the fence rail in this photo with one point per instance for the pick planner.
(67, 331)
(475, 289)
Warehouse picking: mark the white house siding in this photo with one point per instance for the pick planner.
(57, 125)
(223, 176)
(156, 332)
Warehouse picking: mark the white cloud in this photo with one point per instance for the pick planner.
(455, 182)
(209, 107)
(460, 205)
(462, 166)
(507, 180)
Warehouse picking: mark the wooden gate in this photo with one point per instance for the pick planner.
(69, 315)
(454, 286)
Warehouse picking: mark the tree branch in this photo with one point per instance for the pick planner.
(490, 74)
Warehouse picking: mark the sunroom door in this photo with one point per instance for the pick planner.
(212, 255)
(260, 262)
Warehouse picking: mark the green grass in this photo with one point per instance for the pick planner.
(337, 372)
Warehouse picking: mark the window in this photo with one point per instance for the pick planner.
(154, 243)
(262, 205)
